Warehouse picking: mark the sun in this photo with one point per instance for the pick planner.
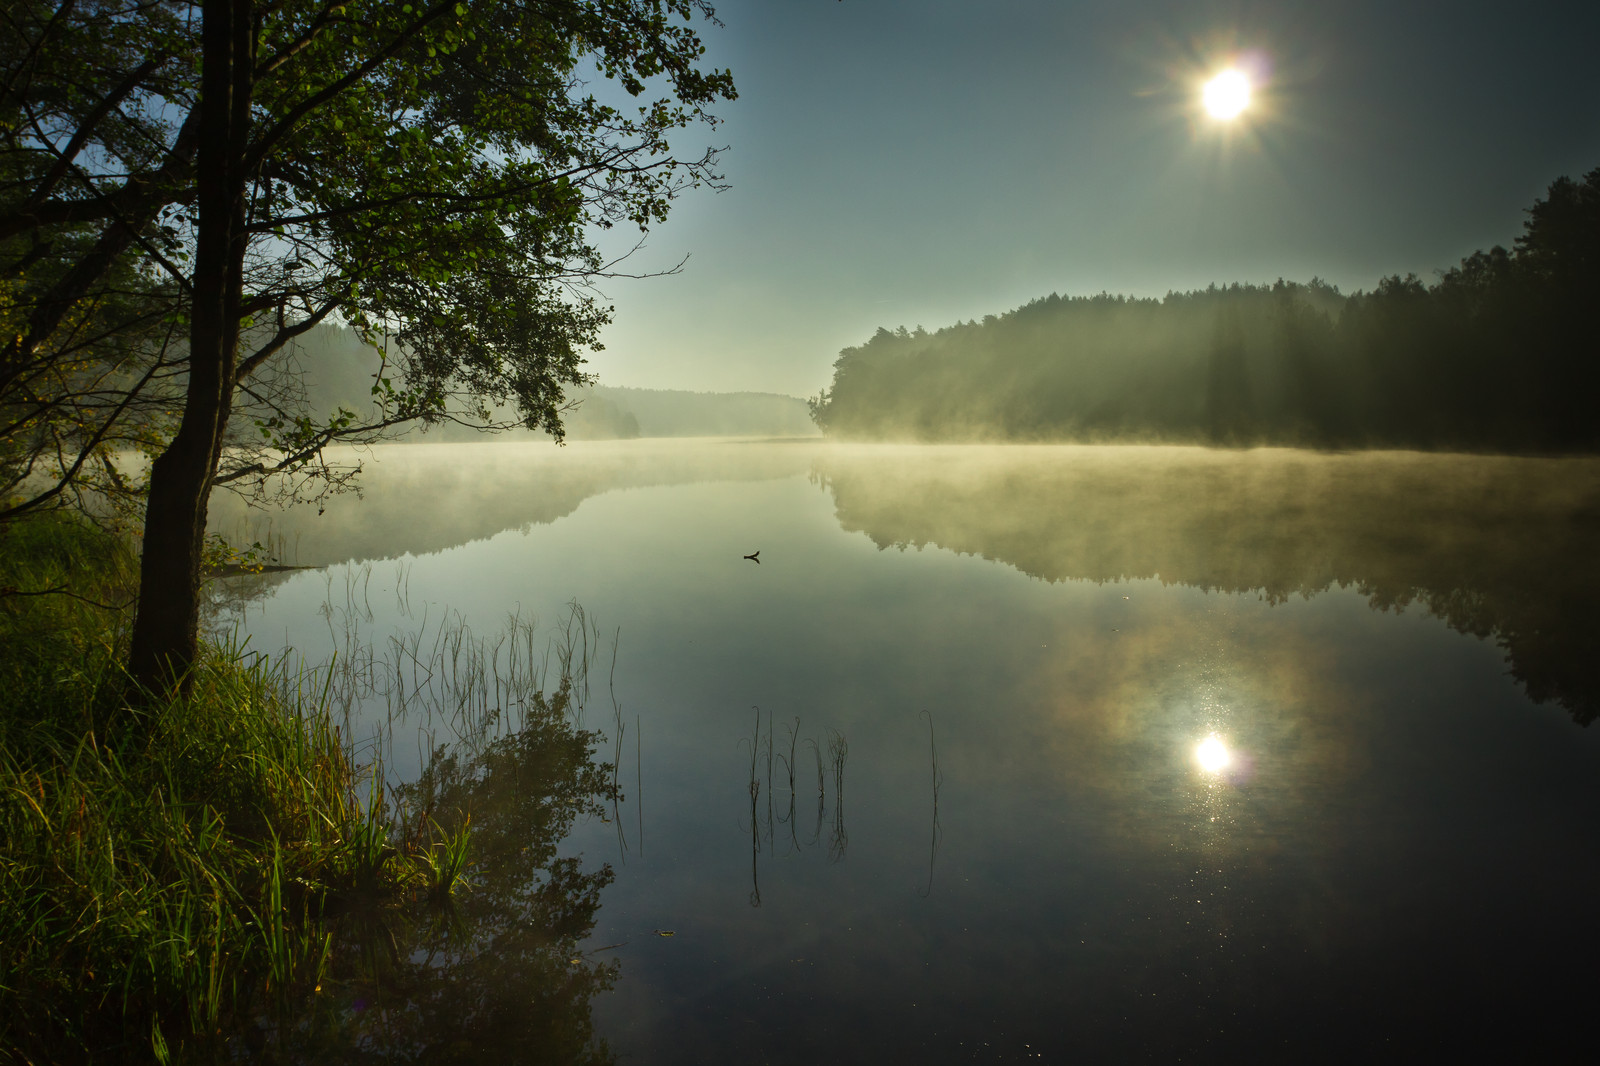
(1226, 95)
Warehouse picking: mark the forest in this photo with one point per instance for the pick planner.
(1498, 354)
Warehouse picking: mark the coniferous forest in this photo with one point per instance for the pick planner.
(1501, 353)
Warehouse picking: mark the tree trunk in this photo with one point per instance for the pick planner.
(166, 627)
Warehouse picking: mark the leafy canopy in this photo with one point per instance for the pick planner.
(433, 174)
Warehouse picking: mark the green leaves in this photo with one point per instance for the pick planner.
(427, 172)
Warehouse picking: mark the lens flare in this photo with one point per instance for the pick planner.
(1213, 755)
(1226, 95)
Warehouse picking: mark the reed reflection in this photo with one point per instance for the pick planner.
(765, 819)
(938, 833)
(501, 769)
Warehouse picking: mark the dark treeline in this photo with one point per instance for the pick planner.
(1502, 353)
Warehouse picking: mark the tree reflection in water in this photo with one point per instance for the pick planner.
(1494, 546)
(495, 974)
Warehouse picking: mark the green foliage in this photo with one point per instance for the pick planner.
(64, 588)
(86, 328)
(430, 174)
(458, 180)
(217, 872)
(164, 874)
(1099, 367)
(1502, 353)
(494, 971)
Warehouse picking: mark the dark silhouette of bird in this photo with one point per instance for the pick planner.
(752, 557)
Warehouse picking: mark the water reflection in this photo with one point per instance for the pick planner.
(1395, 844)
(1213, 755)
(779, 771)
(419, 498)
(938, 781)
(1495, 546)
(500, 973)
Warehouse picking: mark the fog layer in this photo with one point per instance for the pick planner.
(1499, 547)
(1496, 546)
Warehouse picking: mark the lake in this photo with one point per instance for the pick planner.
(993, 754)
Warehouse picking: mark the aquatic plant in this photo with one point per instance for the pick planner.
(169, 872)
(762, 744)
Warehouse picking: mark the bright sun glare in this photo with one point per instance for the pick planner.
(1212, 755)
(1227, 94)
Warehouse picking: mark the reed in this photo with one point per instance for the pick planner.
(447, 858)
(166, 872)
(755, 755)
(838, 752)
(938, 780)
(755, 821)
(442, 674)
(764, 745)
(619, 728)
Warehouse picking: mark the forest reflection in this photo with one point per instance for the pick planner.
(1496, 547)
(495, 974)
(1384, 797)
(419, 498)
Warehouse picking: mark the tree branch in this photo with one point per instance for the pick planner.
(285, 334)
(140, 194)
(259, 150)
(323, 19)
(90, 121)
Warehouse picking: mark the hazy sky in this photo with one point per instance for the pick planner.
(923, 161)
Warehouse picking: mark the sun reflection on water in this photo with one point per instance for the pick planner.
(1213, 755)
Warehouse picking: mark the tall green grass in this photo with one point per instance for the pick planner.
(165, 871)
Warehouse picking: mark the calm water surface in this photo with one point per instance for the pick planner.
(1001, 663)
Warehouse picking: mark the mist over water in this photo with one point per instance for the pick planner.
(1046, 861)
(1494, 546)
(421, 498)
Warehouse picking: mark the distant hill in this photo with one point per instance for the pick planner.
(674, 413)
(337, 370)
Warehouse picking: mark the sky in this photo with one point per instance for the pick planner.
(922, 162)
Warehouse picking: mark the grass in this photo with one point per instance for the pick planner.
(166, 872)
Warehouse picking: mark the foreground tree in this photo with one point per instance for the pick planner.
(431, 174)
(87, 357)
